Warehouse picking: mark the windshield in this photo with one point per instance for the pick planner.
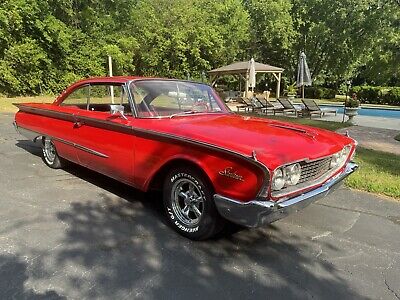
(169, 98)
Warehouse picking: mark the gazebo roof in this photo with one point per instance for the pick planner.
(242, 67)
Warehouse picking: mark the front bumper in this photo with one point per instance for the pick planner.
(257, 213)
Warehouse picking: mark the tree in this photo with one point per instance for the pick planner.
(339, 36)
(182, 37)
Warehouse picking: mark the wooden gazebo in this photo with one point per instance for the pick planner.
(242, 69)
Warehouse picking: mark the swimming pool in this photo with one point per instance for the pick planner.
(369, 111)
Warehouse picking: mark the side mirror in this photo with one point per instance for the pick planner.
(116, 109)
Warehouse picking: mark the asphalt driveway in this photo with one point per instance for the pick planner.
(76, 234)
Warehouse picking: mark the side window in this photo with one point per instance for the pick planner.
(102, 96)
(78, 98)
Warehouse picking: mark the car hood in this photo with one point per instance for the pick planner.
(275, 143)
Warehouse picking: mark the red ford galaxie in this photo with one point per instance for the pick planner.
(212, 165)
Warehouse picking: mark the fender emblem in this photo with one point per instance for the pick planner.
(228, 172)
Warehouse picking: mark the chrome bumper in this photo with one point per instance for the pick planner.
(257, 213)
(16, 126)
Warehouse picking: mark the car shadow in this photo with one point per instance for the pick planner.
(123, 248)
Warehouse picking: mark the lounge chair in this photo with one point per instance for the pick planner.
(288, 107)
(312, 108)
(245, 106)
(267, 106)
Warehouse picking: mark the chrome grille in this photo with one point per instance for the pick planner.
(314, 169)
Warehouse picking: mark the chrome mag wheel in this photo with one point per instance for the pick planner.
(187, 202)
(49, 151)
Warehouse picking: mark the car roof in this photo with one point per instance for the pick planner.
(119, 79)
(106, 79)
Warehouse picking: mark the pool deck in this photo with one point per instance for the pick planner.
(365, 121)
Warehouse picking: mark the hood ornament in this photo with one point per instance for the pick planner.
(254, 155)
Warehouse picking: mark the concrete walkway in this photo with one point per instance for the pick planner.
(375, 138)
(367, 121)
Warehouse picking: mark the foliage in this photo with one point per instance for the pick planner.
(183, 38)
(272, 31)
(340, 37)
(47, 44)
(352, 103)
(378, 94)
(318, 92)
(292, 89)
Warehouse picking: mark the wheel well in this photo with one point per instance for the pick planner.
(157, 181)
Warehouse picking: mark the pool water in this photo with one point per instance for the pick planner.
(367, 111)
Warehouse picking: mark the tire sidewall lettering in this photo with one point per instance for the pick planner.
(171, 215)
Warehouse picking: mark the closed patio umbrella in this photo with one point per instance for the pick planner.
(252, 74)
(303, 73)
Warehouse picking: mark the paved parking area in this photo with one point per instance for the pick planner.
(75, 234)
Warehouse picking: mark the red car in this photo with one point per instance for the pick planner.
(179, 137)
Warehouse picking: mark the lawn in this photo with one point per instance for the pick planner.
(6, 103)
(379, 172)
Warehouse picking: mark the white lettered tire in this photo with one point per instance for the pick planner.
(49, 154)
(189, 204)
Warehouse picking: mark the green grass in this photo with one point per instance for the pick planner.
(306, 121)
(379, 173)
(6, 103)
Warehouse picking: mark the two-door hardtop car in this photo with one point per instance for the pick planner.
(179, 137)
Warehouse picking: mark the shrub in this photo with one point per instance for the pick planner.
(317, 92)
(377, 94)
(392, 97)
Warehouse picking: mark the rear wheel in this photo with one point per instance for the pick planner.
(50, 156)
(189, 206)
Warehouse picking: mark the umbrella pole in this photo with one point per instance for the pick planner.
(302, 91)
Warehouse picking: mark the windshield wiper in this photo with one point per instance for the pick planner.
(186, 112)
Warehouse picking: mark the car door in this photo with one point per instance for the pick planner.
(105, 141)
(61, 126)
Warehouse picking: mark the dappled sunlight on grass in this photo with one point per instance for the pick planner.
(379, 172)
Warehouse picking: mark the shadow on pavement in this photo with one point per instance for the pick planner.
(124, 249)
(13, 274)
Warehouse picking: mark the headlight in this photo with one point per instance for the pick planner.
(289, 175)
(292, 174)
(339, 158)
(335, 160)
(278, 180)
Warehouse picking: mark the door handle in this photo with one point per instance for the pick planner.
(78, 124)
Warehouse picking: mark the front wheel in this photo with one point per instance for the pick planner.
(189, 206)
(50, 156)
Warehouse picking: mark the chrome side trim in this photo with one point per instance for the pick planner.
(91, 151)
(256, 213)
(33, 135)
(149, 134)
